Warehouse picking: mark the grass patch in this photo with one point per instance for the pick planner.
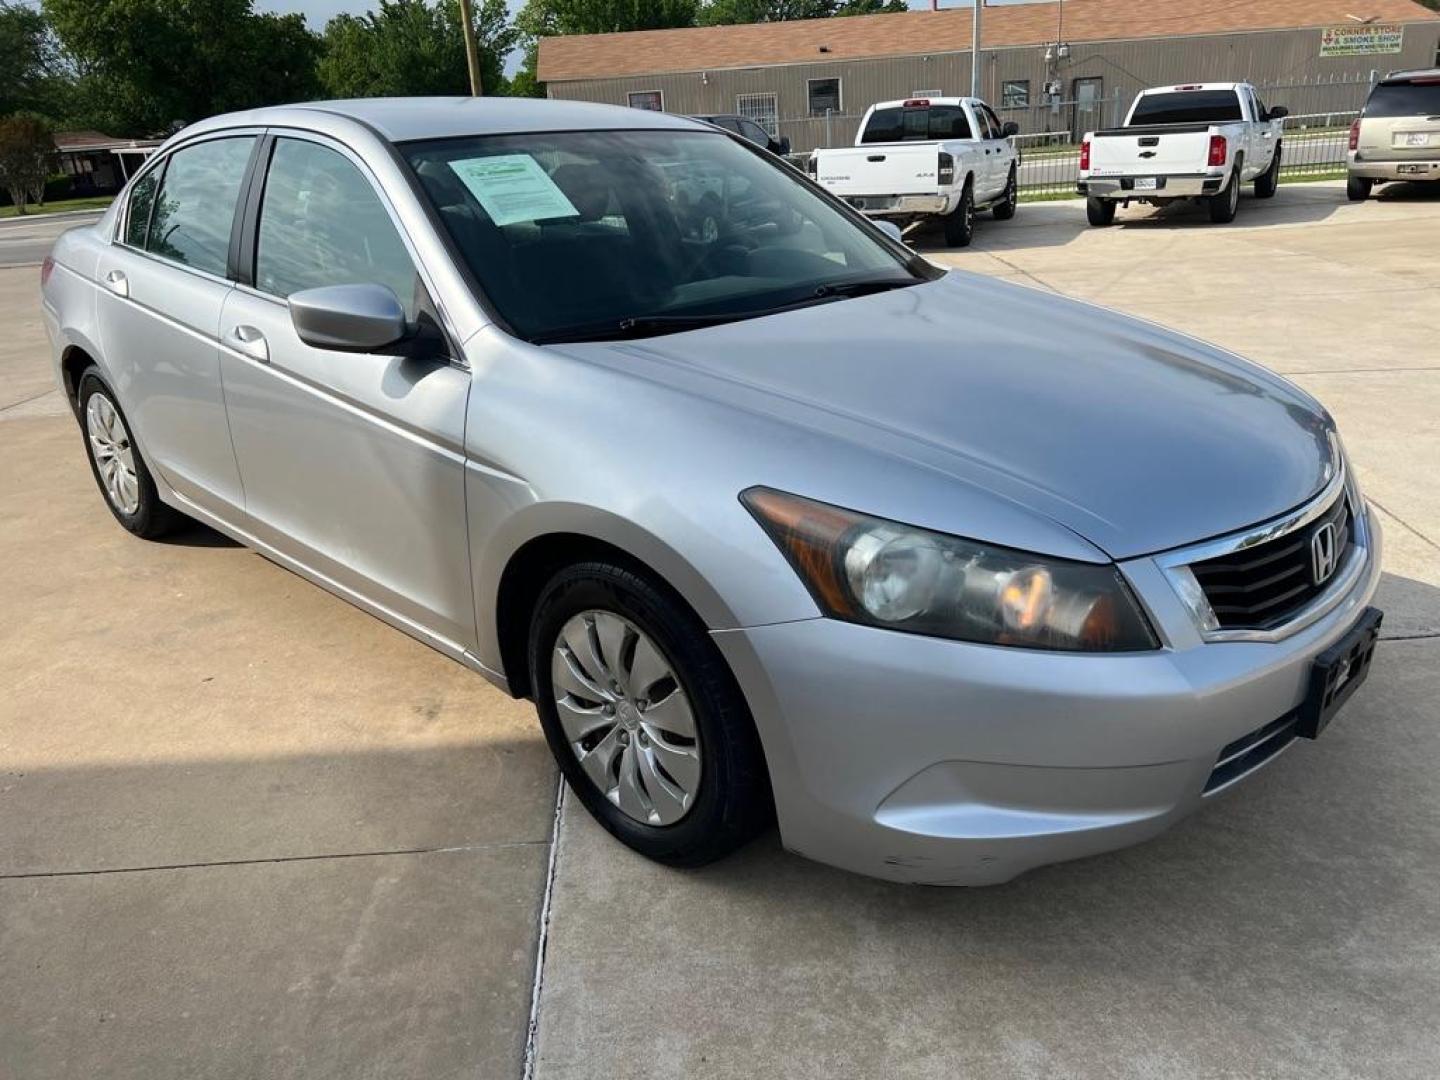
(1047, 196)
(94, 202)
(1337, 173)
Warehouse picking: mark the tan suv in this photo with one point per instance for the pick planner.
(1397, 136)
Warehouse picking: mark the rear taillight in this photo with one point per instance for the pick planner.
(45, 268)
(1355, 135)
(1219, 151)
(947, 168)
(1085, 154)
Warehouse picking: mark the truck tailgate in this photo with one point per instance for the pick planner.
(880, 169)
(1158, 152)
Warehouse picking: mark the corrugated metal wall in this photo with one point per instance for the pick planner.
(1287, 59)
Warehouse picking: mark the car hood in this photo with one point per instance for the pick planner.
(1136, 438)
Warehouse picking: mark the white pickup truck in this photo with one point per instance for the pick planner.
(938, 157)
(1197, 141)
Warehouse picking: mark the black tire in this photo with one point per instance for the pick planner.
(960, 222)
(1357, 188)
(1100, 212)
(732, 801)
(1226, 202)
(1269, 180)
(150, 517)
(1004, 210)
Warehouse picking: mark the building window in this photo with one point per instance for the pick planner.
(1015, 94)
(824, 96)
(650, 100)
(762, 108)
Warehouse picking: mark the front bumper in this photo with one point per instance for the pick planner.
(1409, 169)
(1186, 186)
(940, 762)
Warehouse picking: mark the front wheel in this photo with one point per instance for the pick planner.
(1004, 210)
(1225, 203)
(1357, 188)
(1269, 180)
(1100, 212)
(645, 720)
(960, 222)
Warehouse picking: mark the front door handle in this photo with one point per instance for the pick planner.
(250, 341)
(117, 282)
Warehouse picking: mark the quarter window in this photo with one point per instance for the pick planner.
(321, 223)
(191, 219)
(137, 215)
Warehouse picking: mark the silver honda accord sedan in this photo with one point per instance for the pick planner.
(770, 517)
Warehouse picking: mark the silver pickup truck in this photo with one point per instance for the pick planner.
(1194, 141)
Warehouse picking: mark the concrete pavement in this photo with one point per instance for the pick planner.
(246, 830)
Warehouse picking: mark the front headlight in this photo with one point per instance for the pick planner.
(881, 573)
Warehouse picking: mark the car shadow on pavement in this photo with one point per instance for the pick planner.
(194, 534)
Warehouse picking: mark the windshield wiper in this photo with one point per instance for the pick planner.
(865, 287)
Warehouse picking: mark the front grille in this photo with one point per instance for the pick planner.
(1260, 587)
(1249, 752)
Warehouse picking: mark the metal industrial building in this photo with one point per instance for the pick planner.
(1052, 67)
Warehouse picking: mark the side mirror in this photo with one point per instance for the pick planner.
(784, 145)
(890, 229)
(1009, 129)
(350, 318)
(1279, 112)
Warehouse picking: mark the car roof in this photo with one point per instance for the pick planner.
(405, 119)
(1192, 86)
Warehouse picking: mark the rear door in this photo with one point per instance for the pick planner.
(163, 282)
(1401, 121)
(353, 463)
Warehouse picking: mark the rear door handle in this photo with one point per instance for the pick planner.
(250, 341)
(117, 282)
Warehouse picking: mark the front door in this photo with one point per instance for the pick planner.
(353, 463)
(163, 283)
(1089, 105)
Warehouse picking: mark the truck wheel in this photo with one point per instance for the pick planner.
(1224, 203)
(1357, 188)
(1269, 180)
(960, 222)
(1101, 212)
(1005, 209)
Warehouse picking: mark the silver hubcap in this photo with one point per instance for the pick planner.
(113, 454)
(625, 717)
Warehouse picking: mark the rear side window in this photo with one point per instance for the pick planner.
(321, 223)
(900, 125)
(190, 222)
(1188, 107)
(1405, 99)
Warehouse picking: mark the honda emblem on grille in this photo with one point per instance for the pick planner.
(1323, 553)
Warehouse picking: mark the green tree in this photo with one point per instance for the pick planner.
(411, 47)
(725, 12)
(545, 18)
(26, 146)
(141, 65)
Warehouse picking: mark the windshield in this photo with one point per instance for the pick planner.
(594, 234)
(1405, 99)
(1187, 107)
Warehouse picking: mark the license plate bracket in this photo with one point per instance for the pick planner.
(1337, 673)
(1146, 183)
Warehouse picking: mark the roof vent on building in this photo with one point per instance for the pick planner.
(824, 48)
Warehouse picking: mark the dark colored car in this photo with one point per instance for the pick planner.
(749, 129)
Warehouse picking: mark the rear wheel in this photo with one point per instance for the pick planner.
(1269, 180)
(1224, 203)
(1101, 212)
(644, 718)
(1004, 210)
(116, 463)
(960, 222)
(1357, 188)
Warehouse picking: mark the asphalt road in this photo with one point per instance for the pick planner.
(25, 241)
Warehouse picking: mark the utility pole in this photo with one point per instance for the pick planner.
(472, 52)
(979, 6)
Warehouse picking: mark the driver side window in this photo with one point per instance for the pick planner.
(321, 223)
